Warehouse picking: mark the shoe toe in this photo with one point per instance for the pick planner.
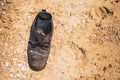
(37, 61)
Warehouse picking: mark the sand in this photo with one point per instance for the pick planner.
(85, 43)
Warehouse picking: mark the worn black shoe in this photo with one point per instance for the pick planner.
(39, 41)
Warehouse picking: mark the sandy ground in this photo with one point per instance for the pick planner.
(85, 44)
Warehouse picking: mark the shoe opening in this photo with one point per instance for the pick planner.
(44, 15)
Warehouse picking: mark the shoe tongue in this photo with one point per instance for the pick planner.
(44, 15)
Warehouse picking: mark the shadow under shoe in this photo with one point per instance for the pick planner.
(39, 41)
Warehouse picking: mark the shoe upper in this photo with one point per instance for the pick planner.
(39, 41)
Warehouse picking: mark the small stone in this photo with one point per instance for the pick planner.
(8, 1)
(104, 69)
(11, 75)
(98, 24)
(7, 64)
(110, 65)
(23, 68)
(117, 1)
(20, 64)
(62, 72)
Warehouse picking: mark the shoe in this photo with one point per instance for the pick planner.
(40, 40)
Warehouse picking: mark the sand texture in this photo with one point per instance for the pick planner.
(85, 43)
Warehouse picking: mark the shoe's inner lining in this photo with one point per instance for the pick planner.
(45, 15)
(46, 28)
